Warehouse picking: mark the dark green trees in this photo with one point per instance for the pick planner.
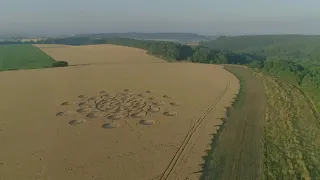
(60, 64)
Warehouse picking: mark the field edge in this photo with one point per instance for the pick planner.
(236, 103)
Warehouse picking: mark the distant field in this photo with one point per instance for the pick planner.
(193, 44)
(97, 54)
(177, 37)
(14, 57)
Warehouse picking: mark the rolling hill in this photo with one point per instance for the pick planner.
(176, 37)
(291, 47)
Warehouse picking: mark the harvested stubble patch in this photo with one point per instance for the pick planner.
(292, 133)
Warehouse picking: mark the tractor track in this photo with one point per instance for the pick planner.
(195, 123)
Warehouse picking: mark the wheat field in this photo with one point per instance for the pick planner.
(121, 114)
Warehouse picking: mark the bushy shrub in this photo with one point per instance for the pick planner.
(60, 64)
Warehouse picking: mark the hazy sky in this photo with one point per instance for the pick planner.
(54, 17)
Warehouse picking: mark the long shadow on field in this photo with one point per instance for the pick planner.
(236, 150)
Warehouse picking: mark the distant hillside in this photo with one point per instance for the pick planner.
(292, 47)
(175, 37)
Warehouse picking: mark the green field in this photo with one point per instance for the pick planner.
(237, 149)
(13, 57)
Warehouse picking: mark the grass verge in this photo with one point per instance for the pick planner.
(291, 133)
(236, 149)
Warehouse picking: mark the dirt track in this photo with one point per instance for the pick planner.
(238, 152)
(108, 139)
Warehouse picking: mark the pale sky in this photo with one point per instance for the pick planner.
(56, 17)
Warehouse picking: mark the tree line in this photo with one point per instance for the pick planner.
(295, 58)
(304, 48)
(307, 78)
(167, 50)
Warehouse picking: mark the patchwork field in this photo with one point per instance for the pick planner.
(124, 118)
(14, 57)
(93, 54)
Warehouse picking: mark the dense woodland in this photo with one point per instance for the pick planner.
(167, 50)
(295, 58)
(304, 48)
(307, 78)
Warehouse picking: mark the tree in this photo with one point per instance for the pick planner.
(256, 64)
(60, 64)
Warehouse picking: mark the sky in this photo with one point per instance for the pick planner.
(216, 17)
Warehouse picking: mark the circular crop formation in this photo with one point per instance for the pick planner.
(123, 106)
